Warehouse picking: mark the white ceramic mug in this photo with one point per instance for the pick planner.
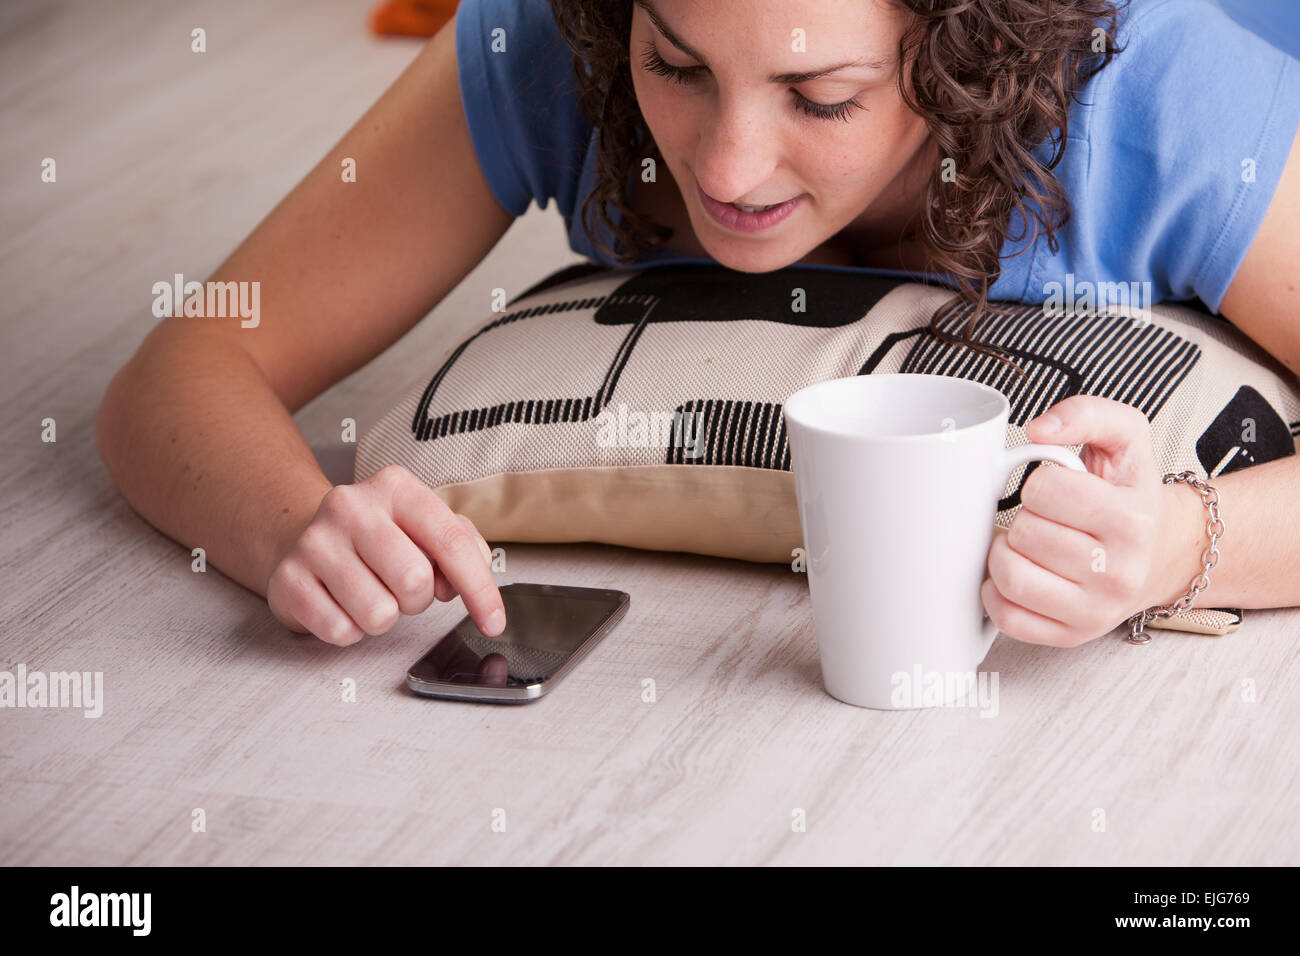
(898, 478)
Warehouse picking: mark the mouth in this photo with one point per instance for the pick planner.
(744, 218)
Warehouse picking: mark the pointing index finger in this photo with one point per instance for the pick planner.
(431, 524)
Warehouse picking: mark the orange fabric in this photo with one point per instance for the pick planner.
(411, 18)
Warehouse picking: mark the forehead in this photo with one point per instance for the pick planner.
(863, 32)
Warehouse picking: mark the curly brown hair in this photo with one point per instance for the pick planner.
(993, 79)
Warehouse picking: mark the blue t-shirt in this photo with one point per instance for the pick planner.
(1171, 161)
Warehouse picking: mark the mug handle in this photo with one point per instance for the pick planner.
(1020, 455)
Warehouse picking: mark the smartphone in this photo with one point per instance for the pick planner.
(549, 628)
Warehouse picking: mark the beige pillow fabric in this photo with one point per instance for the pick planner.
(642, 407)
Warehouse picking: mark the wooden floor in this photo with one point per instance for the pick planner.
(1106, 754)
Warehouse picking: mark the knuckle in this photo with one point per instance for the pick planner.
(1004, 583)
(444, 590)
(1109, 526)
(341, 631)
(282, 578)
(1011, 583)
(1018, 534)
(381, 617)
(390, 476)
(998, 568)
(1038, 483)
(314, 543)
(1002, 619)
(994, 570)
(1145, 523)
(342, 501)
(452, 537)
(1130, 570)
(289, 595)
(468, 524)
(293, 581)
(993, 605)
(1137, 528)
(415, 581)
(1029, 489)
(482, 590)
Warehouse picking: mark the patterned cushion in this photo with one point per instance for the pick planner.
(642, 407)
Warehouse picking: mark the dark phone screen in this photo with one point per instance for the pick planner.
(545, 624)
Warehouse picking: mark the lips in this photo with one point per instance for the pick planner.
(746, 219)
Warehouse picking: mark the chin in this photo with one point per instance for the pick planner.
(745, 256)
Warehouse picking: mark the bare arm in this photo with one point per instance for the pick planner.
(1261, 504)
(196, 428)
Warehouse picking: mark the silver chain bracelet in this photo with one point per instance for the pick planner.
(1209, 557)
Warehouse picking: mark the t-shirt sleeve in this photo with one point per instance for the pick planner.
(520, 97)
(1187, 141)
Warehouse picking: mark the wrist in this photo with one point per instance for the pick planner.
(284, 521)
(1181, 543)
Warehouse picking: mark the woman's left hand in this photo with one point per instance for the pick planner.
(1081, 555)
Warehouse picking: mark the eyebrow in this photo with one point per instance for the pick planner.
(862, 62)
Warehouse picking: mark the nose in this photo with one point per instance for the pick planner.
(737, 152)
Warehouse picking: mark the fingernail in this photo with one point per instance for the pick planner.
(496, 623)
(1048, 423)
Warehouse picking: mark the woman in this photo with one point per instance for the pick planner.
(996, 144)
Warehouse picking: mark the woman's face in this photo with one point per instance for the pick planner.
(750, 122)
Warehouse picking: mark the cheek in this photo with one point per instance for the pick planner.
(871, 153)
(665, 113)
(844, 162)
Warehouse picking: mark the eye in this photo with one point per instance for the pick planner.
(653, 62)
(830, 111)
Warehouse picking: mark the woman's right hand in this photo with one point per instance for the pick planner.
(376, 550)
